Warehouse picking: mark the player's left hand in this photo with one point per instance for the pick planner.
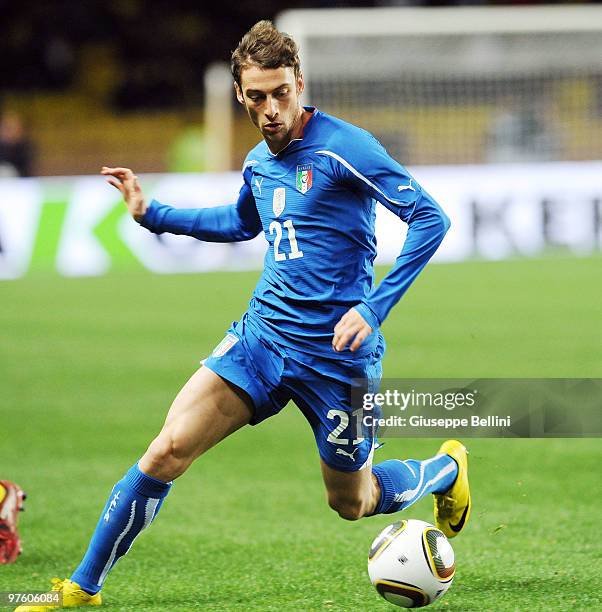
(351, 326)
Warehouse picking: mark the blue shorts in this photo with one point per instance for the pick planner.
(273, 375)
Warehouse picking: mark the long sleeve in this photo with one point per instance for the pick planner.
(231, 223)
(367, 168)
(427, 227)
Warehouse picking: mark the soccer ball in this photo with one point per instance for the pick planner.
(411, 563)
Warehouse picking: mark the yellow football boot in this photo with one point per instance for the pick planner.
(73, 597)
(452, 508)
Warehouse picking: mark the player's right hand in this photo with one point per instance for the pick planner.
(127, 182)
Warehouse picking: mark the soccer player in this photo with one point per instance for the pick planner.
(11, 503)
(312, 326)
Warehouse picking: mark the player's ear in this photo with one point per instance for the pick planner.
(300, 84)
(238, 91)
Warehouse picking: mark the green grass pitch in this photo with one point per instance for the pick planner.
(88, 368)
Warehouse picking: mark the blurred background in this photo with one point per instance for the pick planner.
(497, 109)
(90, 82)
(83, 81)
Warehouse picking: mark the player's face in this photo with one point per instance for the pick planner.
(271, 97)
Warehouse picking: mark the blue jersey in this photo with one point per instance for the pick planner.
(315, 203)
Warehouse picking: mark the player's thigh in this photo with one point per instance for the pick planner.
(345, 439)
(345, 445)
(205, 411)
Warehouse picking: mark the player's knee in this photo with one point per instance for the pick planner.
(167, 458)
(348, 507)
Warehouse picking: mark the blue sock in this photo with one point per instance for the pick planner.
(404, 482)
(133, 504)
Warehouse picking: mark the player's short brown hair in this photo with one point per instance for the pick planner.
(264, 46)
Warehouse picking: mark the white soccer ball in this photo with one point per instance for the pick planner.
(411, 563)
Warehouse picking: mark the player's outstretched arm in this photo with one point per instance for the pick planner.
(231, 223)
(127, 183)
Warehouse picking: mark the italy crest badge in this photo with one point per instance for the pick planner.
(304, 178)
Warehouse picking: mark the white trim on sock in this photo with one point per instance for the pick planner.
(149, 510)
(122, 535)
(410, 495)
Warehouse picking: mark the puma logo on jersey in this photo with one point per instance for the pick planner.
(351, 456)
(404, 187)
(258, 182)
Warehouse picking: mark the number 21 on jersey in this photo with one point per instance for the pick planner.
(276, 227)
